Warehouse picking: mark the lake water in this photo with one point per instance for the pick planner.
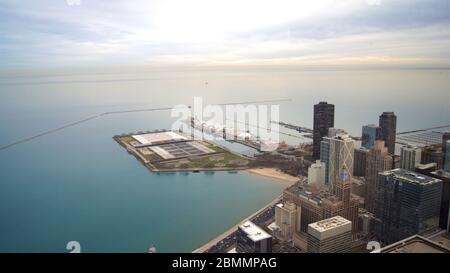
(79, 185)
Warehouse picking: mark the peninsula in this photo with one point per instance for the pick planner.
(168, 151)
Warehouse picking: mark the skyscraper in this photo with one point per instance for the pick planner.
(378, 160)
(339, 155)
(408, 203)
(410, 157)
(370, 133)
(360, 161)
(445, 200)
(316, 173)
(343, 193)
(323, 120)
(388, 125)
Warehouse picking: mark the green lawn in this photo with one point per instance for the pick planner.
(126, 139)
(152, 157)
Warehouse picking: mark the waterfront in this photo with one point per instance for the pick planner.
(78, 184)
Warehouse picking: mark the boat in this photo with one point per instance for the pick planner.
(152, 249)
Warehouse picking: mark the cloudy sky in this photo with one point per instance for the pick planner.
(64, 33)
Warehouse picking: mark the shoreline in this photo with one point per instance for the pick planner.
(274, 173)
(229, 231)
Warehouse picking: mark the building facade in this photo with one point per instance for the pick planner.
(360, 161)
(408, 203)
(323, 120)
(285, 219)
(378, 160)
(445, 198)
(338, 155)
(316, 173)
(370, 133)
(388, 125)
(445, 138)
(410, 157)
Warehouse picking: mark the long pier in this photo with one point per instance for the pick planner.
(300, 129)
(65, 126)
(20, 141)
(425, 129)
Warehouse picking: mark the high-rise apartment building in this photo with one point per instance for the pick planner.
(323, 120)
(410, 157)
(388, 125)
(370, 133)
(285, 219)
(316, 173)
(378, 160)
(332, 235)
(408, 203)
(343, 193)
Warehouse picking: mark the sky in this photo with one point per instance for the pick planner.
(65, 33)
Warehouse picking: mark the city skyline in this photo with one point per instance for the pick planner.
(212, 126)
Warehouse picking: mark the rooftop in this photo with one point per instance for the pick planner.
(412, 177)
(254, 232)
(330, 223)
(314, 194)
(158, 138)
(371, 126)
(414, 244)
(330, 227)
(442, 173)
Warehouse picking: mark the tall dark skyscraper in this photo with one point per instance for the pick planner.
(323, 120)
(408, 203)
(388, 124)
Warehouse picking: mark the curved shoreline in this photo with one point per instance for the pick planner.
(229, 231)
(273, 173)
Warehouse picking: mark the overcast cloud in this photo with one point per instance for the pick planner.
(52, 33)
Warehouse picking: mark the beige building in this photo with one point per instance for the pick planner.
(316, 173)
(285, 219)
(339, 155)
(332, 235)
